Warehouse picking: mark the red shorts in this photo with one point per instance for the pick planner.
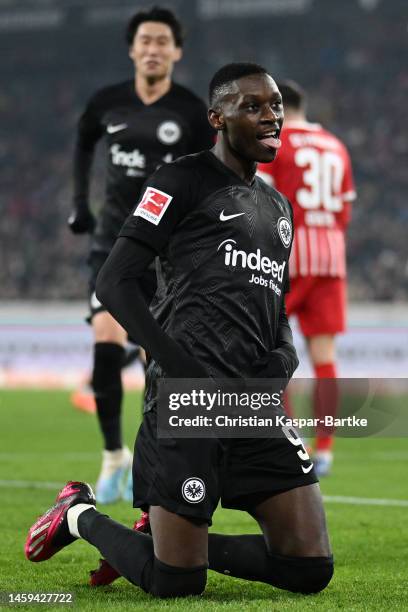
(319, 302)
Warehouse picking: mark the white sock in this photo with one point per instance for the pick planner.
(113, 460)
(72, 517)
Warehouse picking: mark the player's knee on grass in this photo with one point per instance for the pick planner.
(166, 581)
(305, 575)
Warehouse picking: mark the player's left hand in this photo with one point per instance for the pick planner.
(81, 222)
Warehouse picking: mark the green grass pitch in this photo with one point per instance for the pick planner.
(43, 439)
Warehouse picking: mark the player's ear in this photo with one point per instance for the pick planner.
(178, 54)
(216, 119)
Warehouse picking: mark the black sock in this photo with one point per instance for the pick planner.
(107, 386)
(247, 557)
(128, 551)
(243, 556)
(131, 554)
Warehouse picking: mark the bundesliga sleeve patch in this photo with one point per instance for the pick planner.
(153, 205)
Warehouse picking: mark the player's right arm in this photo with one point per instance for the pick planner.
(348, 191)
(90, 130)
(146, 233)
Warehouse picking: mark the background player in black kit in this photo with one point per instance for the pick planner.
(211, 320)
(146, 122)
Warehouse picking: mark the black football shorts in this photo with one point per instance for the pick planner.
(96, 260)
(190, 476)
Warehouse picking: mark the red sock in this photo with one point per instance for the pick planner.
(325, 402)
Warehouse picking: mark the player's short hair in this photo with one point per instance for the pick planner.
(227, 74)
(293, 94)
(156, 13)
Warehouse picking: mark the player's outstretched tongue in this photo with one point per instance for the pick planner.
(273, 143)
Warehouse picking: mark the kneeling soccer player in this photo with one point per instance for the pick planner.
(204, 215)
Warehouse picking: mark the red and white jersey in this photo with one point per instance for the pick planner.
(313, 170)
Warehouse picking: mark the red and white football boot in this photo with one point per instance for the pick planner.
(50, 532)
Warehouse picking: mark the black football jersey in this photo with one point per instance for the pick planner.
(224, 246)
(139, 138)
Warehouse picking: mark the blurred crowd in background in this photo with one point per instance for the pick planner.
(350, 55)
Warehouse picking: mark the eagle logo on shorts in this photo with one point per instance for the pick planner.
(285, 231)
(193, 490)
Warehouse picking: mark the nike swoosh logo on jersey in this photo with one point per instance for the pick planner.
(224, 217)
(307, 470)
(112, 129)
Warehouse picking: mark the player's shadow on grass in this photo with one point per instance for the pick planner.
(219, 589)
(233, 589)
